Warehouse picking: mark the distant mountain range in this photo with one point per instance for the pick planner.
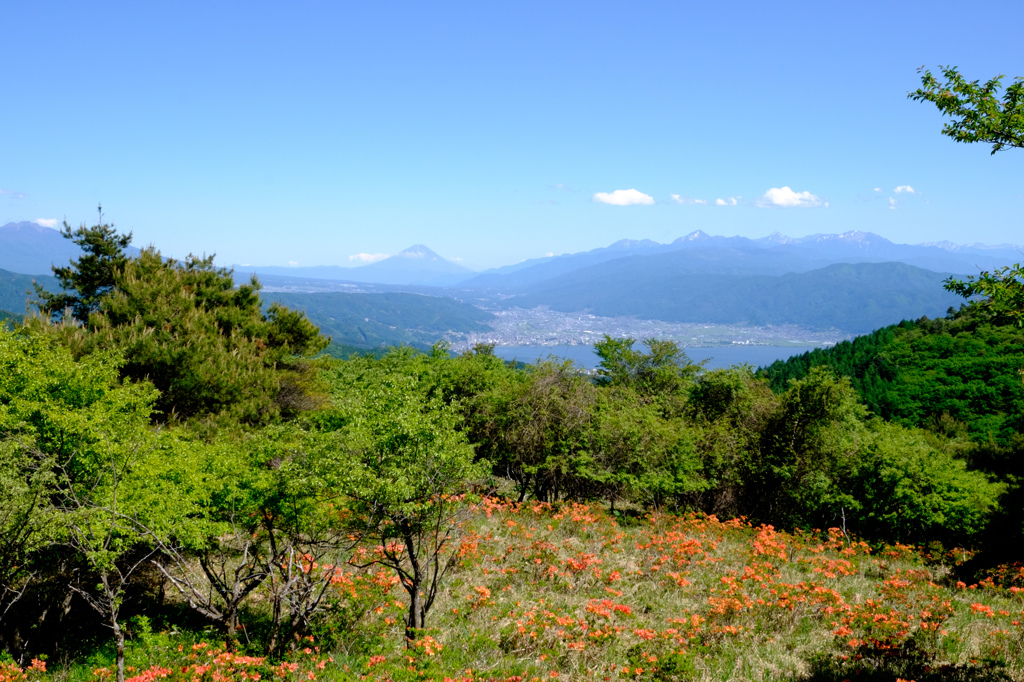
(774, 254)
(696, 252)
(854, 282)
(29, 248)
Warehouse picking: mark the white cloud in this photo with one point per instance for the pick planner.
(680, 199)
(624, 197)
(731, 201)
(368, 257)
(46, 222)
(293, 263)
(784, 197)
(13, 193)
(892, 204)
(905, 188)
(550, 254)
(878, 189)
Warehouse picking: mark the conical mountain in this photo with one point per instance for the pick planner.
(417, 264)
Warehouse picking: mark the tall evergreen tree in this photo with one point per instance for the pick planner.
(87, 280)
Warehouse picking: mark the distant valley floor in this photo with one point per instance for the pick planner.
(544, 327)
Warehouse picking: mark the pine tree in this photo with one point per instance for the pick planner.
(86, 280)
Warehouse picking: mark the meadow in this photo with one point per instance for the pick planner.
(570, 591)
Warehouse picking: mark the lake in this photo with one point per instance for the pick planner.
(718, 356)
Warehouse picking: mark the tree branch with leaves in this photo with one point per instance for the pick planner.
(978, 113)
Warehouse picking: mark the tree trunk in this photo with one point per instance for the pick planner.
(414, 621)
(275, 626)
(231, 625)
(524, 488)
(119, 643)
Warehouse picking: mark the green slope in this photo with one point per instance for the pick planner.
(914, 373)
(14, 288)
(374, 320)
(7, 318)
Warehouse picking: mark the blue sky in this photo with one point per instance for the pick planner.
(309, 133)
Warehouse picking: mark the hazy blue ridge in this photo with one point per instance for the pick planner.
(31, 249)
(385, 319)
(538, 270)
(529, 263)
(853, 298)
(14, 288)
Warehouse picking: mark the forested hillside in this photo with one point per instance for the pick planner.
(930, 373)
(389, 319)
(15, 289)
(961, 378)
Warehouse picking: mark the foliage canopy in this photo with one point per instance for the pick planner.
(207, 345)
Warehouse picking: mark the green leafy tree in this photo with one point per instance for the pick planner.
(663, 373)
(30, 377)
(27, 520)
(86, 280)
(214, 552)
(76, 435)
(808, 448)
(306, 537)
(979, 115)
(206, 344)
(257, 520)
(977, 112)
(728, 410)
(638, 454)
(401, 463)
(103, 529)
(909, 486)
(536, 429)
